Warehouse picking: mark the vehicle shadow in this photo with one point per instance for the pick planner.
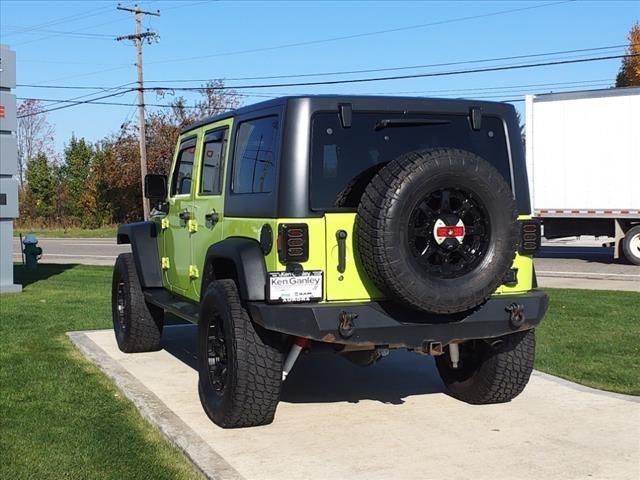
(26, 277)
(326, 377)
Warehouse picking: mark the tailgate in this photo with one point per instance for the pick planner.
(353, 283)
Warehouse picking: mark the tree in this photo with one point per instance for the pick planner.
(629, 74)
(34, 135)
(40, 194)
(119, 170)
(75, 176)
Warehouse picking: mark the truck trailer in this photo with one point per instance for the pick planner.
(583, 159)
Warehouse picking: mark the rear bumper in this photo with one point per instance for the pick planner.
(383, 323)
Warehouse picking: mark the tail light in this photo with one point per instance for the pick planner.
(293, 242)
(530, 234)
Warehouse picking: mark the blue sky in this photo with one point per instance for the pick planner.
(225, 30)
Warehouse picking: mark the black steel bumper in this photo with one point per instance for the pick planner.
(384, 323)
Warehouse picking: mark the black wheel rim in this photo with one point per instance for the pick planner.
(121, 306)
(448, 232)
(216, 355)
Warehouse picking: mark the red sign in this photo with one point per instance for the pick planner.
(1, 111)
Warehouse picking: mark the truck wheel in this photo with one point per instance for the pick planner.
(437, 230)
(137, 324)
(490, 371)
(631, 245)
(239, 367)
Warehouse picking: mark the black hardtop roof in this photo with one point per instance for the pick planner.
(363, 102)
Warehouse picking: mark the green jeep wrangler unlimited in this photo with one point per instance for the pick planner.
(361, 224)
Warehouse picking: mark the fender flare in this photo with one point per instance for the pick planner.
(142, 236)
(248, 259)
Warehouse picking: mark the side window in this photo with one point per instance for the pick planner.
(254, 157)
(212, 162)
(181, 178)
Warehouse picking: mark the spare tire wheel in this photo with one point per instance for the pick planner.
(437, 230)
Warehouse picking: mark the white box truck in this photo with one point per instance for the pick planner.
(583, 160)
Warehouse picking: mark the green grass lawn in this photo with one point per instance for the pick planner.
(62, 418)
(71, 232)
(591, 337)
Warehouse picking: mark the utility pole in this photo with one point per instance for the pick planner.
(138, 38)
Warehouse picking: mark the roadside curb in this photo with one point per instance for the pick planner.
(203, 457)
(584, 388)
(589, 275)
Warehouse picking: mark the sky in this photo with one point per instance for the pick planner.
(72, 44)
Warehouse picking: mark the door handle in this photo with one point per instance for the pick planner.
(341, 236)
(212, 218)
(186, 216)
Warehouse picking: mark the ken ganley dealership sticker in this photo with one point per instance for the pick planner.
(291, 287)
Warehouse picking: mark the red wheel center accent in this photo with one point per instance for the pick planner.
(450, 231)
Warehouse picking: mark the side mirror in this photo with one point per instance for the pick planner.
(155, 187)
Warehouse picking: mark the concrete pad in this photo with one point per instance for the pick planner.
(392, 420)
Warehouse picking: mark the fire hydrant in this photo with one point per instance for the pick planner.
(32, 252)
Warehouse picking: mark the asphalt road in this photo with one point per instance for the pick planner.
(87, 251)
(564, 264)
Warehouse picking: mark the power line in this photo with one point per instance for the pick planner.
(91, 102)
(372, 79)
(364, 34)
(461, 62)
(65, 62)
(389, 69)
(398, 77)
(502, 88)
(498, 92)
(184, 5)
(119, 87)
(74, 32)
(77, 103)
(36, 31)
(105, 70)
(70, 18)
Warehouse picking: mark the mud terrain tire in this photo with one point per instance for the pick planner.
(490, 371)
(424, 192)
(243, 389)
(136, 323)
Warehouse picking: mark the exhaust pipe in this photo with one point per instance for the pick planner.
(298, 345)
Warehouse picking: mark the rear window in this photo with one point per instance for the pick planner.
(344, 160)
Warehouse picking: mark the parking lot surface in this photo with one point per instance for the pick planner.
(338, 421)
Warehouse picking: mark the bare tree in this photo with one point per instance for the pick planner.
(34, 135)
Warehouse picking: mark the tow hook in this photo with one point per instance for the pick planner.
(516, 314)
(346, 324)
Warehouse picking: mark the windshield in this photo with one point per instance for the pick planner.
(344, 160)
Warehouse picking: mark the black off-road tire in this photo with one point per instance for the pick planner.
(253, 362)
(631, 245)
(137, 324)
(382, 238)
(490, 374)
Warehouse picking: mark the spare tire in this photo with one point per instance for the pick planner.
(437, 230)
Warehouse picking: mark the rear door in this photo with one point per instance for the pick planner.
(177, 235)
(208, 206)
